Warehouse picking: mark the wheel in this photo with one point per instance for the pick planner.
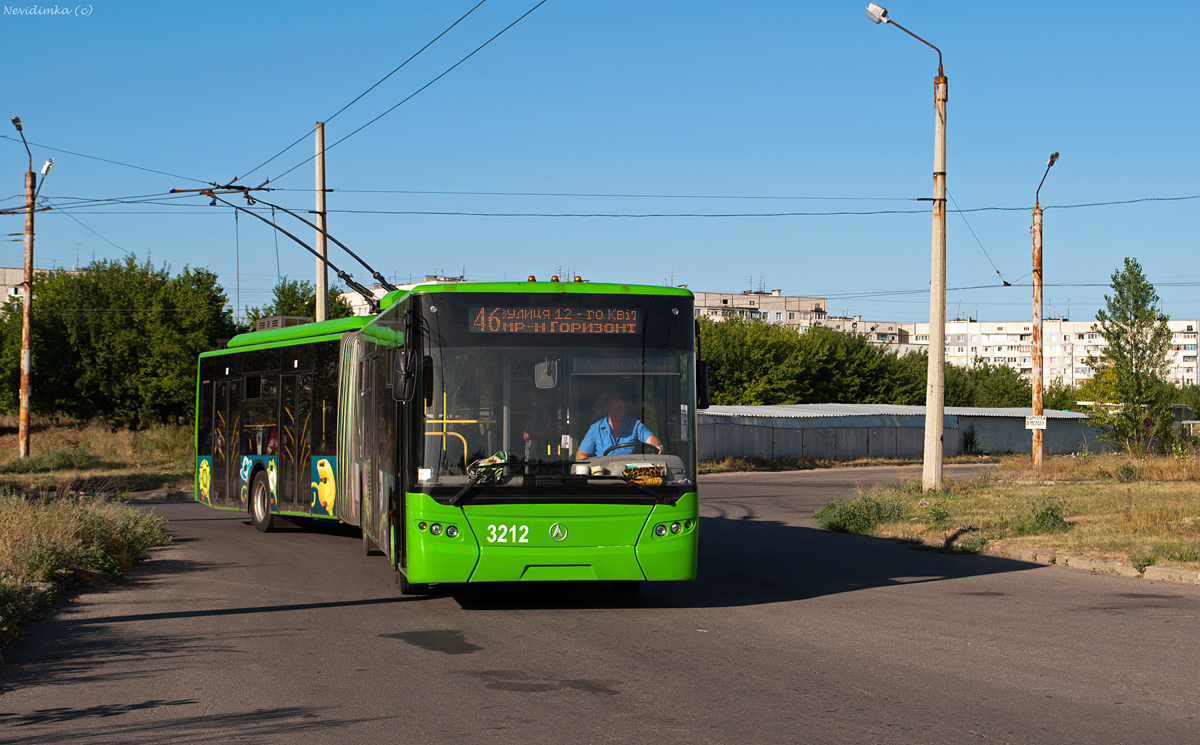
(638, 448)
(411, 588)
(629, 586)
(260, 503)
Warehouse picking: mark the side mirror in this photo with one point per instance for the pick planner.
(427, 378)
(702, 398)
(404, 374)
(545, 374)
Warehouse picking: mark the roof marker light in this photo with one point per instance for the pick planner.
(532, 278)
(578, 278)
(554, 278)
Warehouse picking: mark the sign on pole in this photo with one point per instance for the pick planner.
(1035, 422)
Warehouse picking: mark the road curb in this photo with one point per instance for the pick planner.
(160, 495)
(1153, 573)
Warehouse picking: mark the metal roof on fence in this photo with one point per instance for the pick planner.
(811, 411)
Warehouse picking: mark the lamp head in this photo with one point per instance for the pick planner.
(1053, 158)
(877, 14)
(47, 166)
(17, 122)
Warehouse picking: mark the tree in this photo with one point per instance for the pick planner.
(1132, 370)
(751, 363)
(755, 363)
(999, 386)
(118, 340)
(293, 297)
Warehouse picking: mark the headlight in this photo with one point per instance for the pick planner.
(451, 531)
(435, 529)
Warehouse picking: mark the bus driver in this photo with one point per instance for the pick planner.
(600, 437)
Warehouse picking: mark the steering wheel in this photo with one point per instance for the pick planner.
(638, 446)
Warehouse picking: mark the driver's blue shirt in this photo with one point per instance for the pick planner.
(599, 437)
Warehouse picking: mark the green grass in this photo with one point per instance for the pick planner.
(862, 515)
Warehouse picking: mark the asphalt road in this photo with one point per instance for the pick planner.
(791, 634)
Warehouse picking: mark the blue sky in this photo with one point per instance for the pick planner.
(764, 99)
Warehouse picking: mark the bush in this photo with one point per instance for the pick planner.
(44, 540)
(1046, 516)
(861, 515)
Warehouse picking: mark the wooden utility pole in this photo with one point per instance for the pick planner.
(27, 318)
(322, 245)
(1038, 374)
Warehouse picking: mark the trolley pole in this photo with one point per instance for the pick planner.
(322, 247)
(27, 318)
(1038, 375)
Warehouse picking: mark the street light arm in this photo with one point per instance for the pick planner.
(918, 38)
(16, 120)
(45, 173)
(1049, 163)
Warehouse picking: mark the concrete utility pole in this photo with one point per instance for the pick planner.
(935, 390)
(322, 245)
(1037, 314)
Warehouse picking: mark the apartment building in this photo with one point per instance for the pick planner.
(799, 313)
(12, 281)
(1066, 346)
(358, 303)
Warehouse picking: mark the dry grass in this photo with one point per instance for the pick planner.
(1139, 522)
(66, 455)
(735, 463)
(1185, 466)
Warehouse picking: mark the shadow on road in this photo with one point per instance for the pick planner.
(750, 562)
(94, 724)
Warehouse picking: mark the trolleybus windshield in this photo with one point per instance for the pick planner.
(516, 383)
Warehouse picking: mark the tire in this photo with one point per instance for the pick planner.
(260, 503)
(411, 588)
(627, 586)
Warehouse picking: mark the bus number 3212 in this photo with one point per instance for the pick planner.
(508, 534)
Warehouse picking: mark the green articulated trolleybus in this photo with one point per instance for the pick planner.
(462, 427)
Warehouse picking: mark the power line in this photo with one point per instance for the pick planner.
(89, 229)
(631, 215)
(414, 93)
(107, 160)
(394, 191)
(981, 248)
(155, 200)
(373, 87)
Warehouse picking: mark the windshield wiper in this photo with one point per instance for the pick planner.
(660, 498)
(487, 474)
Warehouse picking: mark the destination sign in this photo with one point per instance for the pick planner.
(500, 319)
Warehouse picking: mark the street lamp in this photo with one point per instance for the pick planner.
(935, 392)
(1037, 313)
(31, 192)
